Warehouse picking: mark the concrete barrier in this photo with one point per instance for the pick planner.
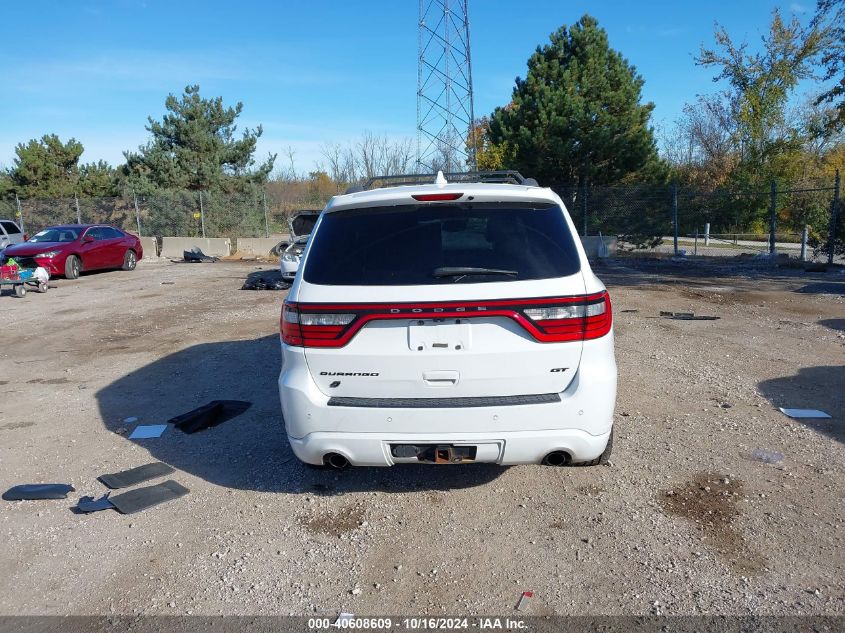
(591, 245)
(150, 247)
(176, 246)
(259, 246)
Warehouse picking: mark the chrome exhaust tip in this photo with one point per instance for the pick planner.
(335, 460)
(556, 458)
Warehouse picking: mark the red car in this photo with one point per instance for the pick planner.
(72, 248)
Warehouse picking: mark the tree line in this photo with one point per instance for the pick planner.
(576, 120)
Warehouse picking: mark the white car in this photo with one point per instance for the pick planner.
(447, 323)
(301, 225)
(10, 233)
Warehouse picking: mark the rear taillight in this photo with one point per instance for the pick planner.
(25, 237)
(548, 320)
(584, 320)
(313, 329)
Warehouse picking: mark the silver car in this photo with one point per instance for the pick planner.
(10, 233)
(301, 224)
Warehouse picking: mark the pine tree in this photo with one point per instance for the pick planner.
(577, 117)
(46, 167)
(194, 147)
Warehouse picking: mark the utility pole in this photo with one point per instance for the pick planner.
(202, 216)
(773, 218)
(266, 222)
(834, 209)
(137, 213)
(20, 213)
(675, 216)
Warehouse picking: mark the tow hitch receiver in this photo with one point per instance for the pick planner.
(445, 454)
(435, 453)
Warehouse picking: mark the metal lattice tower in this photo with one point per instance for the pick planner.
(444, 87)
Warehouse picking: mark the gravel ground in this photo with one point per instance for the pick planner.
(683, 521)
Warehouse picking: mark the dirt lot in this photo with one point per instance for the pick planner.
(683, 521)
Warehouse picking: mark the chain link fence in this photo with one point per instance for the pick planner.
(799, 221)
(182, 213)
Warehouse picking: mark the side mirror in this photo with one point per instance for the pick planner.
(87, 238)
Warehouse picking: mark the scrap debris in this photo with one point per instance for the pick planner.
(687, 316)
(135, 500)
(35, 492)
(196, 256)
(523, 600)
(265, 283)
(147, 431)
(804, 413)
(211, 414)
(127, 478)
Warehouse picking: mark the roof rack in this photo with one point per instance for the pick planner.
(503, 176)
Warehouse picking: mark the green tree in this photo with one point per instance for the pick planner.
(195, 147)
(98, 180)
(830, 18)
(577, 117)
(46, 168)
(6, 186)
(759, 87)
(49, 168)
(489, 156)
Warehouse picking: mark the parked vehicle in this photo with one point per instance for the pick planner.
(448, 323)
(73, 248)
(10, 233)
(301, 224)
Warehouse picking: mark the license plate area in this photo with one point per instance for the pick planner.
(439, 335)
(435, 453)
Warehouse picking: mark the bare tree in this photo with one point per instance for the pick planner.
(368, 157)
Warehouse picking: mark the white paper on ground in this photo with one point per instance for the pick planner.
(147, 431)
(804, 413)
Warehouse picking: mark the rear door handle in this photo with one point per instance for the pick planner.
(441, 378)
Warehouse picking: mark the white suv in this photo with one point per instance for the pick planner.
(445, 323)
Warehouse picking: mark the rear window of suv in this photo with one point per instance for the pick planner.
(405, 245)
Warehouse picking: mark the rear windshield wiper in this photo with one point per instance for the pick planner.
(462, 271)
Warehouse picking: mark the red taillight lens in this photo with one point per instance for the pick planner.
(291, 332)
(583, 320)
(548, 320)
(436, 197)
(26, 237)
(313, 329)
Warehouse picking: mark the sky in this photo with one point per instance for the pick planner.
(313, 72)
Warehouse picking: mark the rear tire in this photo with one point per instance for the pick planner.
(602, 459)
(20, 291)
(72, 267)
(130, 260)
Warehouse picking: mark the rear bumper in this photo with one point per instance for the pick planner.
(579, 423)
(508, 448)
